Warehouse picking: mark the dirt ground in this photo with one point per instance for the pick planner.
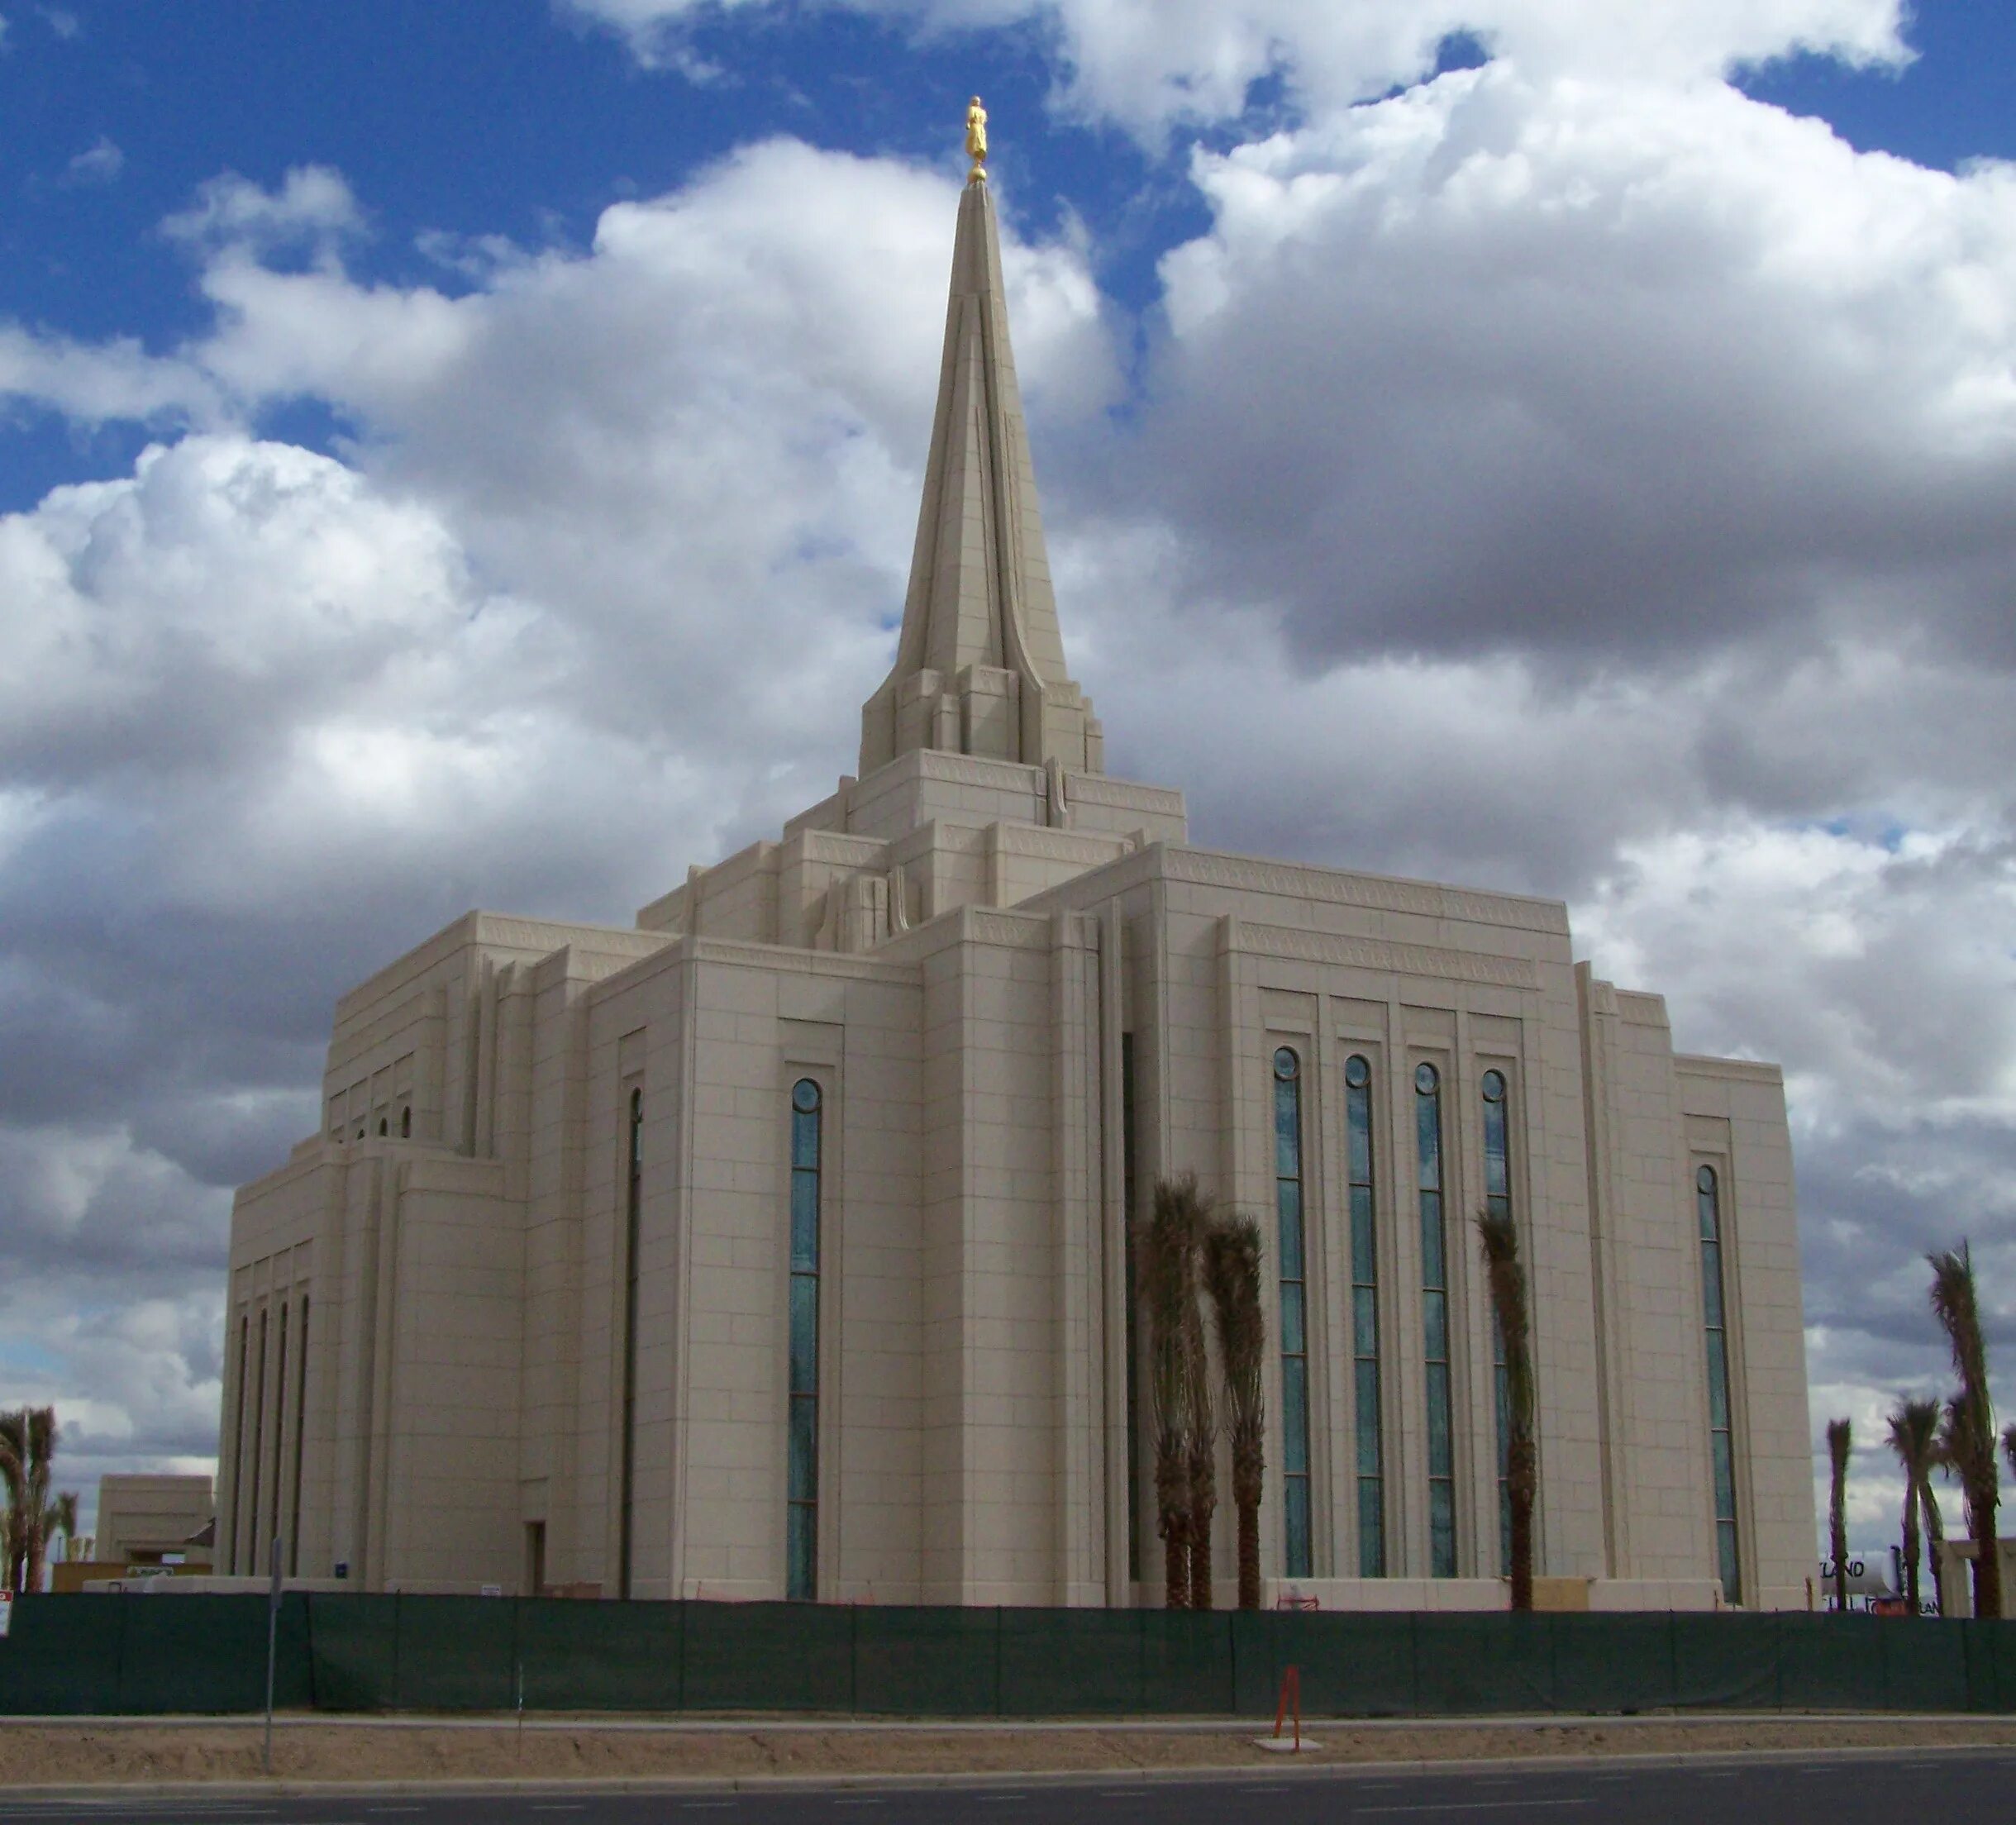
(85, 1752)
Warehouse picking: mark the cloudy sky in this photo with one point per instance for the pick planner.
(459, 453)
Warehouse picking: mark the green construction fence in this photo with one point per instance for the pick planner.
(159, 1653)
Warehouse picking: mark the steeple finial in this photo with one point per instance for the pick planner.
(976, 140)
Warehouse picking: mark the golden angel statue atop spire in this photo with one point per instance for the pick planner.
(976, 140)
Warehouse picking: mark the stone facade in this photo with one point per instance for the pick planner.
(840, 1142)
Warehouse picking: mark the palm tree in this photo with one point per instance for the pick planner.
(1839, 1441)
(1231, 1277)
(27, 1445)
(1914, 1437)
(1168, 1244)
(61, 1517)
(1499, 1238)
(1972, 1427)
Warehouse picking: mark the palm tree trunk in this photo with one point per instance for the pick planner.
(1935, 1537)
(1201, 1511)
(1910, 1546)
(1249, 1555)
(1840, 1441)
(1176, 1567)
(1987, 1558)
(1522, 1478)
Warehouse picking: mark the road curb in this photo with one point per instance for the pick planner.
(1212, 1773)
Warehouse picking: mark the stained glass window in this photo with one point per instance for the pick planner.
(1721, 1439)
(1365, 1316)
(1435, 1323)
(802, 1447)
(1297, 1556)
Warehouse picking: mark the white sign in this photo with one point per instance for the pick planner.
(7, 1613)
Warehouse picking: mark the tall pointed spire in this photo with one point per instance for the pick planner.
(979, 665)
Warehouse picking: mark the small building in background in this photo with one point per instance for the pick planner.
(149, 1525)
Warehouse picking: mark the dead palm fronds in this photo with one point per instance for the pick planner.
(1970, 1430)
(1499, 1237)
(1231, 1277)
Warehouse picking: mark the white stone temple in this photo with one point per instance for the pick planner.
(778, 1247)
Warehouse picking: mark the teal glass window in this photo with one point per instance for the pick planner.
(1435, 1321)
(802, 1442)
(1297, 1555)
(1498, 1200)
(1365, 1316)
(1134, 1295)
(633, 1209)
(1721, 1438)
(301, 1421)
(234, 1556)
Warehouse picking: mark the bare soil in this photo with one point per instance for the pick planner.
(317, 1751)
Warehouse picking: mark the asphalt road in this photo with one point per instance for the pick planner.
(1862, 1789)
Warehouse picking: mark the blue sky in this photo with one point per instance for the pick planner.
(1502, 442)
(514, 118)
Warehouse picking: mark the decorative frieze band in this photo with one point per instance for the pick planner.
(1095, 789)
(1018, 932)
(844, 851)
(1059, 846)
(1407, 960)
(968, 769)
(1378, 893)
(803, 962)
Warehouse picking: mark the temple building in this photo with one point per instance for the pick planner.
(778, 1245)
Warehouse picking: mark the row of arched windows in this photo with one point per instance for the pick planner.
(257, 1514)
(1291, 1247)
(1292, 1242)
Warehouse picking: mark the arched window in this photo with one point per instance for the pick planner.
(1297, 1557)
(256, 1556)
(1435, 1323)
(236, 1552)
(1721, 1437)
(385, 1128)
(406, 1122)
(301, 1420)
(1498, 1201)
(801, 1514)
(280, 1425)
(1365, 1316)
(633, 1209)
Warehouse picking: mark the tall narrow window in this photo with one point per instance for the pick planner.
(1365, 1316)
(280, 1425)
(237, 1449)
(301, 1420)
(802, 1515)
(257, 1558)
(1297, 1558)
(1435, 1323)
(633, 1208)
(1133, 1368)
(1721, 1444)
(1498, 1201)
